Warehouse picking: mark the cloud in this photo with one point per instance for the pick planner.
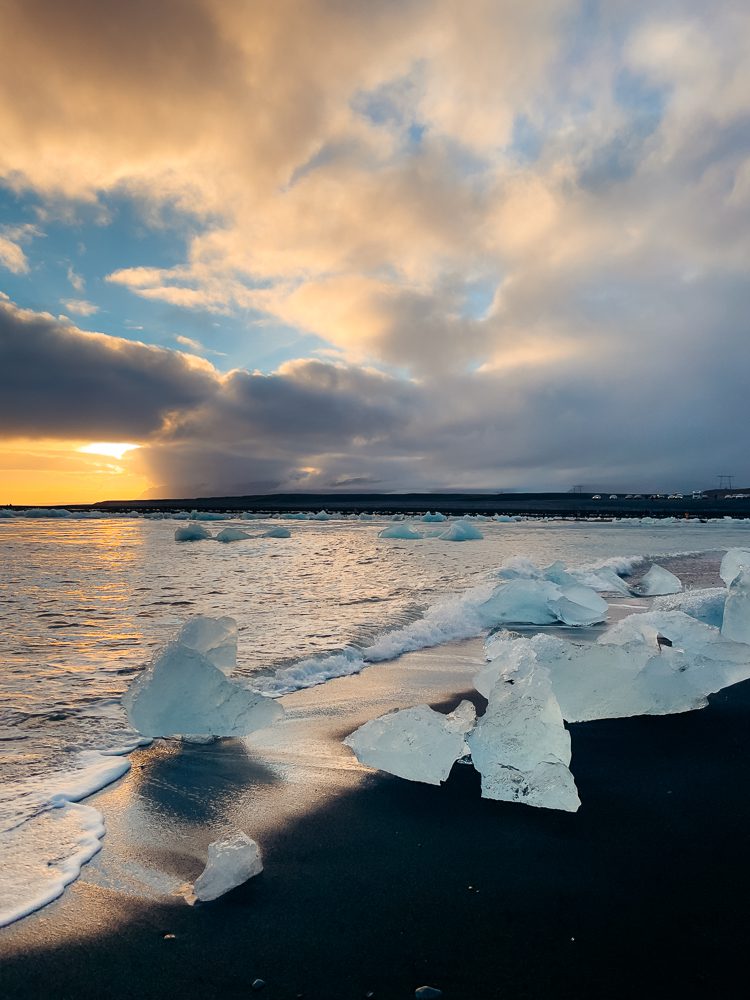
(80, 307)
(12, 256)
(56, 380)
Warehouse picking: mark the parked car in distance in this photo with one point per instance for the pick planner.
(596, 496)
(612, 496)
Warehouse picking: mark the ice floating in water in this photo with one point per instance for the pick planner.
(400, 530)
(216, 638)
(736, 623)
(231, 534)
(278, 532)
(191, 533)
(182, 693)
(520, 745)
(541, 602)
(602, 579)
(230, 863)
(733, 562)
(659, 581)
(417, 743)
(460, 531)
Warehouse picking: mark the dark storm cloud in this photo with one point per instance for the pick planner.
(56, 381)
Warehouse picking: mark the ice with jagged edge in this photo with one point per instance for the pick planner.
(602, 579)
(191, 533)
(736, 622)
(230, 863)
(625, 673)
(659, 581)
(705, 604)
(216, 638)
(520, 746)
(540, 602)
(183, 692)
(418, 743)
(733, 562)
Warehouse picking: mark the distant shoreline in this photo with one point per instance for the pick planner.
(567, 505)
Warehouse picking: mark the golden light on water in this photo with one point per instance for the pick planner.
(115, 449)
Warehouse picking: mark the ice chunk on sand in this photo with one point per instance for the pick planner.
(733, 562)
(460, 531)
(415, 743)
(736, 623)
(401, 530)
(521, 747)
(216, 638)
(191, 533)
(182, 692)
(437, 516)
(707, 605)
(658, 581)
(540, 602)
(278, 532)
(231, 534)
(230, 863)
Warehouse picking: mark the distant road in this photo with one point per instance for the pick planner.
(540, 504)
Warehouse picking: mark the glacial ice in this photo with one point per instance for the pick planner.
(216, 638)
(541, 602)
(231, 534)
(191, 533)
(437, 516)
(736, 623)
(278, 532)
(733, 562)
(230, 863)
(417, 743)
(400, 530)
(460, 531)
(182, 693)
(659, 581)
(520, 745)
(707, 605)
(602, 579)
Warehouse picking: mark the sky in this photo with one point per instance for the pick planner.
(251, 246)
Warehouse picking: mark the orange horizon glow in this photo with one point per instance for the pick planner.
(43, 472)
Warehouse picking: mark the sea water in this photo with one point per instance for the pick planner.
(84, 603)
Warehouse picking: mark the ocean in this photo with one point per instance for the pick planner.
(85, 602)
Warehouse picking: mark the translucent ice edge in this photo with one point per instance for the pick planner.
(45, 853)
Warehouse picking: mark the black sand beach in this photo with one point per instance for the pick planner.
(375, 886)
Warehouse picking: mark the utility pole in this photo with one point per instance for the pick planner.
(725, 481)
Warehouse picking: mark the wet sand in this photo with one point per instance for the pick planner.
(373, 884)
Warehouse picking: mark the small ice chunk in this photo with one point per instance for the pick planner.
(521, 747)
(191, 533)
(401, 530)
(733, 562)
(278, 532)
(460, 531)
(736, 623)
(216, 638)
(659, 581)
(231, 534)
(230, 863)
(183, 692)
(579, 605)
(707, 605)
(417, 743)
(437, 516)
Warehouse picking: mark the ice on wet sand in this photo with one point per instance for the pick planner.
(733, 563)
(400, 530)
(191, 533)
(230, 863)
(232, 534)
(216, 638)
(659, 581)
(736, 623)
(461, 531)
(182, 693)
(417, 743)
(520, 745)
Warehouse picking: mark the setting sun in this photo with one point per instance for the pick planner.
(114, 449)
